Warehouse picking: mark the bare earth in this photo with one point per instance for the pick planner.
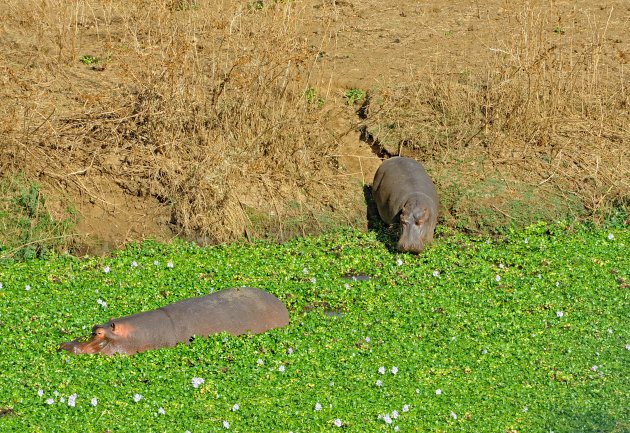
(373, 45)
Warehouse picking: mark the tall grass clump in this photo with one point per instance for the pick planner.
(198, 105)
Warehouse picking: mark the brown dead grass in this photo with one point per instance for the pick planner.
(197, 109)
(203, 111)
(549, 119)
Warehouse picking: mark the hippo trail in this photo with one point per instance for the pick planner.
(404, 193)
(236, 311)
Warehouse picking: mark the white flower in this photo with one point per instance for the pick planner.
(453, 415)
(557, 283)
(525, 241)
(399, 262)
(337, 422)
(62, 400)
(50, 401)
(161, 411)
(417, 391)
(610, 331)
(134, 264)
(197, 382)
(281, 369)
(387, 419)
(367, 339)
(1, 286)
(318, 407)
(226, 424)
(559, 313)
(313, 280)
(169, 264)
(501, 265)
(539, 276)
(155, 262)
(28, 287)
(235, 407)
(106, 269)
(497, 277)
(611, 236)
(305, 271)
(379, 383)
(260, 361)
(438, 391)
(381, 370)
(40, 392)
(289, 350)
(394, 414)
(346, 286)
(394, 370)
(627, 346)
(436, 273)
(56, 393)
(396, 428)
(405, 408)
(137, 397)
(102, 303)
(594, 368)
(94, 401)
(525, 409)
(72, 400)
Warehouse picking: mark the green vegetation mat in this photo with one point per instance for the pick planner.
(526, 333)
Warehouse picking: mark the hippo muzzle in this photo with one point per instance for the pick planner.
(95, 344)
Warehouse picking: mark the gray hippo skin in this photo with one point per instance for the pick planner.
(236, 311)
(404, 192)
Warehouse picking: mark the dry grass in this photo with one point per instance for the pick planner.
(204, 111)
(200, 106)
(549, 119)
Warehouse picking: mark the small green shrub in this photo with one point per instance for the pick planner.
(311, 97)
(88, 59)
(354, 96)
(28, 230)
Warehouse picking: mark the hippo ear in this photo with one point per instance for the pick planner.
(113, 327)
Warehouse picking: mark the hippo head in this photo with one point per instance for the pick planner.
(416, 226)
(103, 340)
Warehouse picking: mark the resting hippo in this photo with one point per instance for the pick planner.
(404, 193)
(236, 311)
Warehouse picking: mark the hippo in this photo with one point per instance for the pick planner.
(236, 311)
(405, 194)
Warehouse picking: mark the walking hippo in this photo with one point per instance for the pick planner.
(236, 311)
(404, 194)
